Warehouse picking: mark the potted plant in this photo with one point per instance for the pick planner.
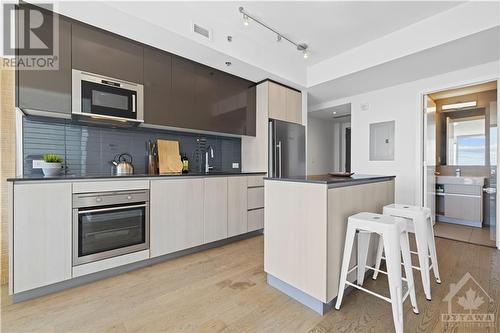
(52, 164)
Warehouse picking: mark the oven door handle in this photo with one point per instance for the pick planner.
(110, 209)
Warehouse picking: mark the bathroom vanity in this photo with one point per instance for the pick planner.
(459, 200)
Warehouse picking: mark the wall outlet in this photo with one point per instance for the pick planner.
(38, 164)
(236, 165)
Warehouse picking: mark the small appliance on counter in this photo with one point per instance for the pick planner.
(122, 165)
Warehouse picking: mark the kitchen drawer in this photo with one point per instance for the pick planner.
(255, 197)
(255, 219)
(254, 181)
(463, 189)
(110, 185)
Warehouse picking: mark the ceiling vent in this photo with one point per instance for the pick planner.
(202, 32)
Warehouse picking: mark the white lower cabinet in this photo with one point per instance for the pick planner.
(255, 197)
(176, 212)
(237, 195)
(42, 234)
(255, 219)
(215, 209)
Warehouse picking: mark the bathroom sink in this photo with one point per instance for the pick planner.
(463, 180)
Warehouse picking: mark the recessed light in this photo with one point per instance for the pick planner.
(334, 112)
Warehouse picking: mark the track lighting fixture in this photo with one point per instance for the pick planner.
(301, 47)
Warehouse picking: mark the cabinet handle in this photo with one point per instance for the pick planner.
(109, 209)
(278, 146)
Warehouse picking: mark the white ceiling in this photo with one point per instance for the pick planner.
(469, 51)
(329, 28)
(341, 111)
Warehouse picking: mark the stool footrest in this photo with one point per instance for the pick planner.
(368, 291)
(414, 267)
(383, 272)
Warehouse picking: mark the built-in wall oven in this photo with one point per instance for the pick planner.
(101, 97)
(109, 224)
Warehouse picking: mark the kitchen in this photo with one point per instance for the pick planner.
(104, 156)
(159, 186)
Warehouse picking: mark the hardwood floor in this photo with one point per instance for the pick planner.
(224, 290)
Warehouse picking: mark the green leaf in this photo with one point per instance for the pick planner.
(52, 158)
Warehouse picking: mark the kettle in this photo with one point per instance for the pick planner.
(123, 165)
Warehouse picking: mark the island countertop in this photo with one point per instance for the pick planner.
(335, 181)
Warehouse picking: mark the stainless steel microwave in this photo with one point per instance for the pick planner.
(101, 97)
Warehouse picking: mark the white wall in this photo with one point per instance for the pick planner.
(403, 104)
(325, 145)
(320, 146)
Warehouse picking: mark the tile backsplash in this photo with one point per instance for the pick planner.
(88, 149)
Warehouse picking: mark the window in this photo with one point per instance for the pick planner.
(466, 141)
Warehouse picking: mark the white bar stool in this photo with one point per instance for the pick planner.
(395, 240)
(419, 222)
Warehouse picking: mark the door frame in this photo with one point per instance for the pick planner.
(421, 122)
(343, 153)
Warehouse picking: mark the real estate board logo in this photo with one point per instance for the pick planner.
(34, 45)
(468, 305)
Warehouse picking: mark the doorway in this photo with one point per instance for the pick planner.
(460, 162)
(348, 149)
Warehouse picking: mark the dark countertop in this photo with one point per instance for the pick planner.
(109, 176)
(332, 181)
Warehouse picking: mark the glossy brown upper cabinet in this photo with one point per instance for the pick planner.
(235, 109)
(158, 87)
(178, 92)
(101, 52)
(48, 90)
(285, 103)
(205, 98)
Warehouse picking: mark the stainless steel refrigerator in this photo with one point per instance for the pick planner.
(287, 149)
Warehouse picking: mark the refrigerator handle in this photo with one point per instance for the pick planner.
(272, 152)
(278, 146)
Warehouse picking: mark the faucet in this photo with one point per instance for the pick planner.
(207, 166)
(458, 172)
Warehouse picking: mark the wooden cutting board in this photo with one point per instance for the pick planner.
(169, 157)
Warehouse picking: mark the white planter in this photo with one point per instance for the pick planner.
(52, 169)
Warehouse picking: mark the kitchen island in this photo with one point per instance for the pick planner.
(305, 223)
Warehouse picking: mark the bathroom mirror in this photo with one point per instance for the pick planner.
(463, 137)
(466, 140)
